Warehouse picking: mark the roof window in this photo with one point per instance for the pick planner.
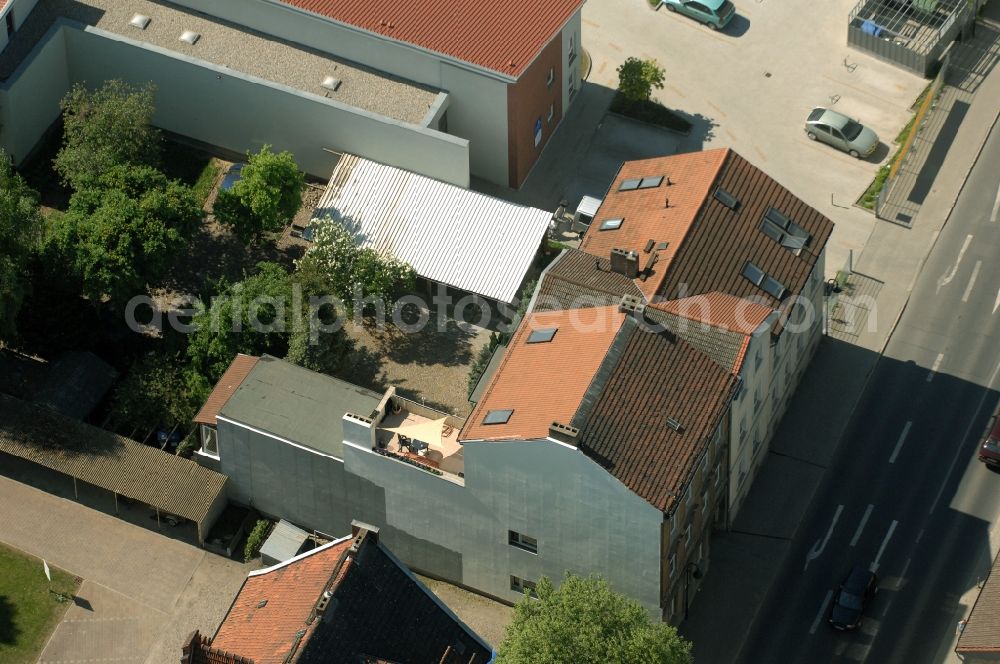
(190, 36)
(753, 273)
(630, 184)
(542, 335)
(727, 199)
(675, 425)
(650, 182)
(610, 224)
(497, 416)
(140, 21)
(784, 231)
(766, 282)
(773, 287)
(331, 83)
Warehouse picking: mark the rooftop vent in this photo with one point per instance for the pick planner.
(498, 416)
(727, 199)
(324, 601)
(331, 83)
(625, 262)
(564, 433)
(675, 425)
(542, 335)
(190, 36)
(139, 21)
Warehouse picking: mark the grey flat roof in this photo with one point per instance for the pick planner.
(232, 46)
(298, 405)
(283, 543)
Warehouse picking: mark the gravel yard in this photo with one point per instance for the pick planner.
(486, 617)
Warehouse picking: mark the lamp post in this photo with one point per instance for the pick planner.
(690, 570)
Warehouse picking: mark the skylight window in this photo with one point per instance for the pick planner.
(190, 36)
(784, 231)
(542, 335)
(630, 184)
(675, 425)
(497, 416)
(753, 273)
(727, 199)
(650, 182)
(773, 287)
(611, 224)
(140, 21)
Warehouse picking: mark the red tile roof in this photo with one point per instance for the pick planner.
(275, 603)
(545, 382)
(663, 214)
(502, 35)
(231, 380)
(735, 314)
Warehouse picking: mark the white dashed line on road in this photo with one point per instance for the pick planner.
(892, 527)
(861, 526)
(822, 610)
(934, 368)
(972, 281)
(899, 443)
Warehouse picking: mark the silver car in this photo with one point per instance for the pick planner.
(841, 132)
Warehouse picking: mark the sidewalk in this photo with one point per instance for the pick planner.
(746, 560)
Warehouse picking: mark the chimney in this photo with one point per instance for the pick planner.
(361, 530)
(632, 304)
(564, 433)
(625, 262)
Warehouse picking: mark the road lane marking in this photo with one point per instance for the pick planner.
(818, 546)
(861, 526)
(920, 535)
(968, 429)
(899, 443)
(972, 281)
(892, 527)
(996, 207)
(934, 368)
(822, 610)
(946, 279)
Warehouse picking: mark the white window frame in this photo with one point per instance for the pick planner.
(572, 49)
(705, 501)
(552, 112)
(687, 496)
(687, 537)
(672, 563)
(551, 77)
(202, 429)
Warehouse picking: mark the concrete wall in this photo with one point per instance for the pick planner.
(584, 519)
(283, 480)
(220, 107)
(478, 107)
(29, 99)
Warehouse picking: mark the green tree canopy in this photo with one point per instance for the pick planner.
(20, 229)
(637, 78)
(265, 198)
(336, 266)
(585, 622)
(156, 393)
(104, 128)
(122, 231)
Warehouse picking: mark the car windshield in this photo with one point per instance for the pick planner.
(725, 9)
(851, 130)
(849, 601)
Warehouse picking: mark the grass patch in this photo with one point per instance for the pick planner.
(651, 112)
(28, 611)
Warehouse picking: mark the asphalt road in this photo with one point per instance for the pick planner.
(905, 495)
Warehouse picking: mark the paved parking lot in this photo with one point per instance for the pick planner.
(751, 86)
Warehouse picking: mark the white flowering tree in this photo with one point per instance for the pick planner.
(337, 266)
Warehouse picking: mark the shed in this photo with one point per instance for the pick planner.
(76, 383)
(453, 236)
(285, 542)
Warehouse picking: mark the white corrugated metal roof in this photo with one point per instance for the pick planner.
(451, 235)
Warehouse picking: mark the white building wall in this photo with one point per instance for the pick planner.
(583, 519)
(478, 110)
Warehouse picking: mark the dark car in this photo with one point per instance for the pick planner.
(854, 594)
(989, 451)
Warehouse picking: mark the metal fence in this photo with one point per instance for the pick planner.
(910, 33)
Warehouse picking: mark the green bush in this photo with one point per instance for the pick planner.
(482, 361)
(188, 445)
(256, 539)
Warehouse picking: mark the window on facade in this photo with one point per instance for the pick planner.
(672, 563)
(209, 440)
(704, 464)
(718, 476)
(704, 506)
(572, 48)
(551, 77)
(552, 112)
(520, 585)
(673, 524)
(687, 496)
(515, 538)
(571, 87)
(687, 536)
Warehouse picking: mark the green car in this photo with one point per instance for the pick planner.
(716, 14)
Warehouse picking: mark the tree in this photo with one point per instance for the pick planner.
(253, 316)
(156, 393)
(122, 230)
(336, 266)
(637, 78)
(108, 127)
(265, 198)
(584, 621)
(20, 229)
